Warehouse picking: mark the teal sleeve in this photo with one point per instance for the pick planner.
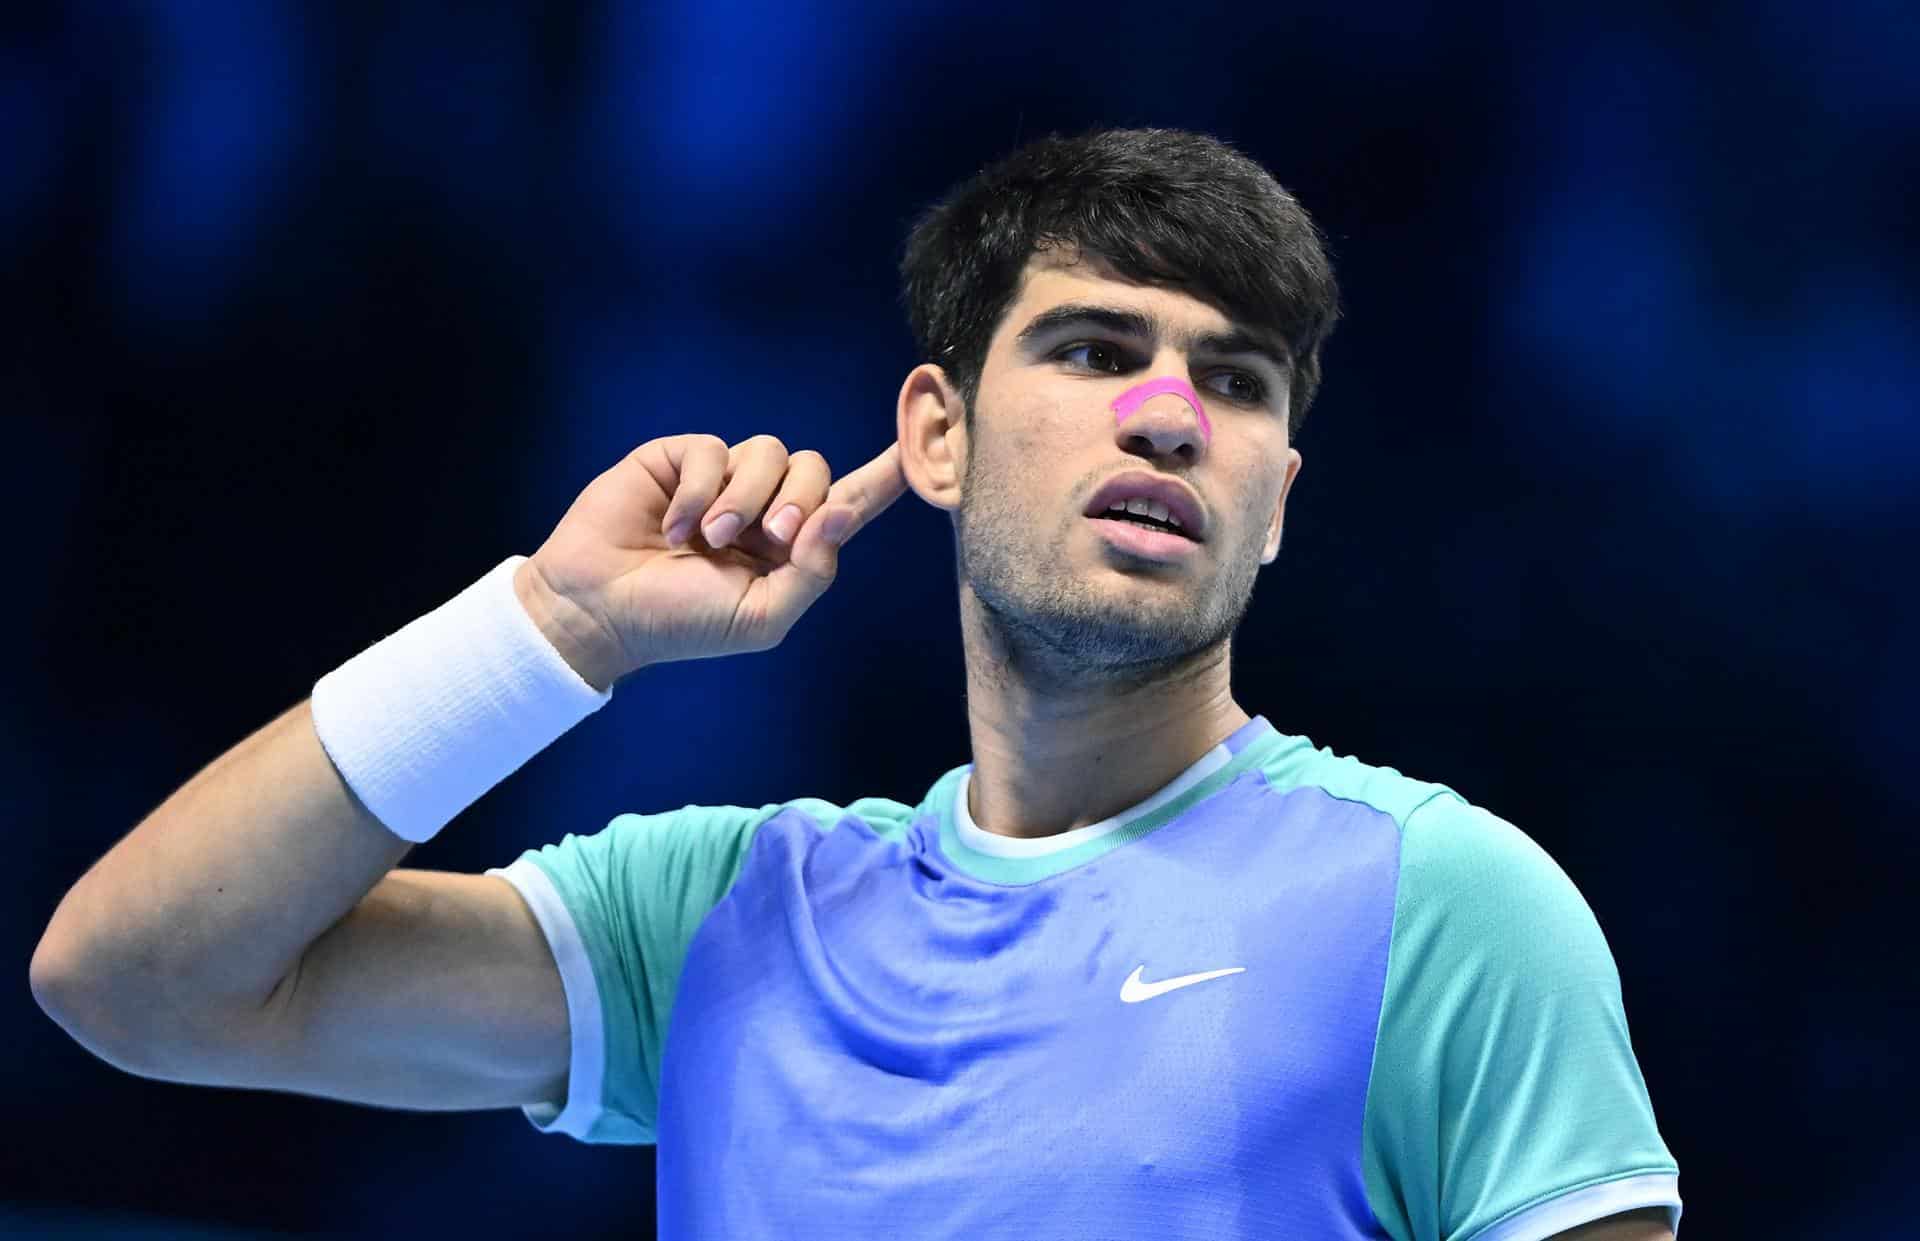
(1505, 1100)
(619, 909)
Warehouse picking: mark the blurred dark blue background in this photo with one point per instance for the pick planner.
(316, 312)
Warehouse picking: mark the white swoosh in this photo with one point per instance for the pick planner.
(1133, 990)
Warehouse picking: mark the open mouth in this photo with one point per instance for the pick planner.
(1144, 521)
(1146, 539)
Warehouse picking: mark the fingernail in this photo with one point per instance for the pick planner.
(836, 526)
(677, 532)
(720, 530)
(784, 523)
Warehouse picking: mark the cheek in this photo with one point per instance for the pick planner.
(1259, 490)
(1034, 423)
(1026, 439)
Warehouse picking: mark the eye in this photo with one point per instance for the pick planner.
(1249, 390)
(1098, 356)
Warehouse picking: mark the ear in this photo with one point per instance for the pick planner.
(931, 426)
(1272, 548)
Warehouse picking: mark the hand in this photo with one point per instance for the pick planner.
(684, 550)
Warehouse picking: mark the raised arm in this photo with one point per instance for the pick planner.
(249, 932)
(433, 991)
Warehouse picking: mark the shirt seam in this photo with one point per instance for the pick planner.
(1393, 944)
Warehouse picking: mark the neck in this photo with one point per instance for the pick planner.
(1053, 752)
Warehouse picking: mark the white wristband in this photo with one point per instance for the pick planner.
(425, 721)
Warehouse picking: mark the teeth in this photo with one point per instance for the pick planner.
(1146, 508)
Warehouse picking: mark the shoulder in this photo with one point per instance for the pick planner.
(1485, 875)
(1454, 855)
(1295, 765)
(1493, 947)
(691, 823)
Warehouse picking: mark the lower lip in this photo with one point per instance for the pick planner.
(1141, 541)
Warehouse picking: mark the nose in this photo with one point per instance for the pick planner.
(1162, 418)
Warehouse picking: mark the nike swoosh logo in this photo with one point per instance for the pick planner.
(1133, 990)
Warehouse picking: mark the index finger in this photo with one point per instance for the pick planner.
(869, 490)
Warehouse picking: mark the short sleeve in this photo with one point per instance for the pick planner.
(619, 909)
(1505, 1103)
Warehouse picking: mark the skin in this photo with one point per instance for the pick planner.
(1645, 1224)
(1093, 677)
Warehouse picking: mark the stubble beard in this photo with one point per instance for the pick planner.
(1065, 625)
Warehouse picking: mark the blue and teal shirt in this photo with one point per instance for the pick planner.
(1291, 994)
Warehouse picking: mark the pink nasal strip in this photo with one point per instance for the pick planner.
(1133, 398)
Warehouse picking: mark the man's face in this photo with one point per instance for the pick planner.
(1069, 594)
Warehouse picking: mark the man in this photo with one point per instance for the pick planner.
(1145, 967)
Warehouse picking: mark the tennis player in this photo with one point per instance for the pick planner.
(1146, 967)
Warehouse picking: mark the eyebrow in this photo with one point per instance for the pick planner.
(1125, 322)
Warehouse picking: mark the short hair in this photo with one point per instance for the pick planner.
(1160, 206)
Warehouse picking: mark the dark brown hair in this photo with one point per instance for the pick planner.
(1159, 206)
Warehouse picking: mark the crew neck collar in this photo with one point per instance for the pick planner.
(980, 840)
